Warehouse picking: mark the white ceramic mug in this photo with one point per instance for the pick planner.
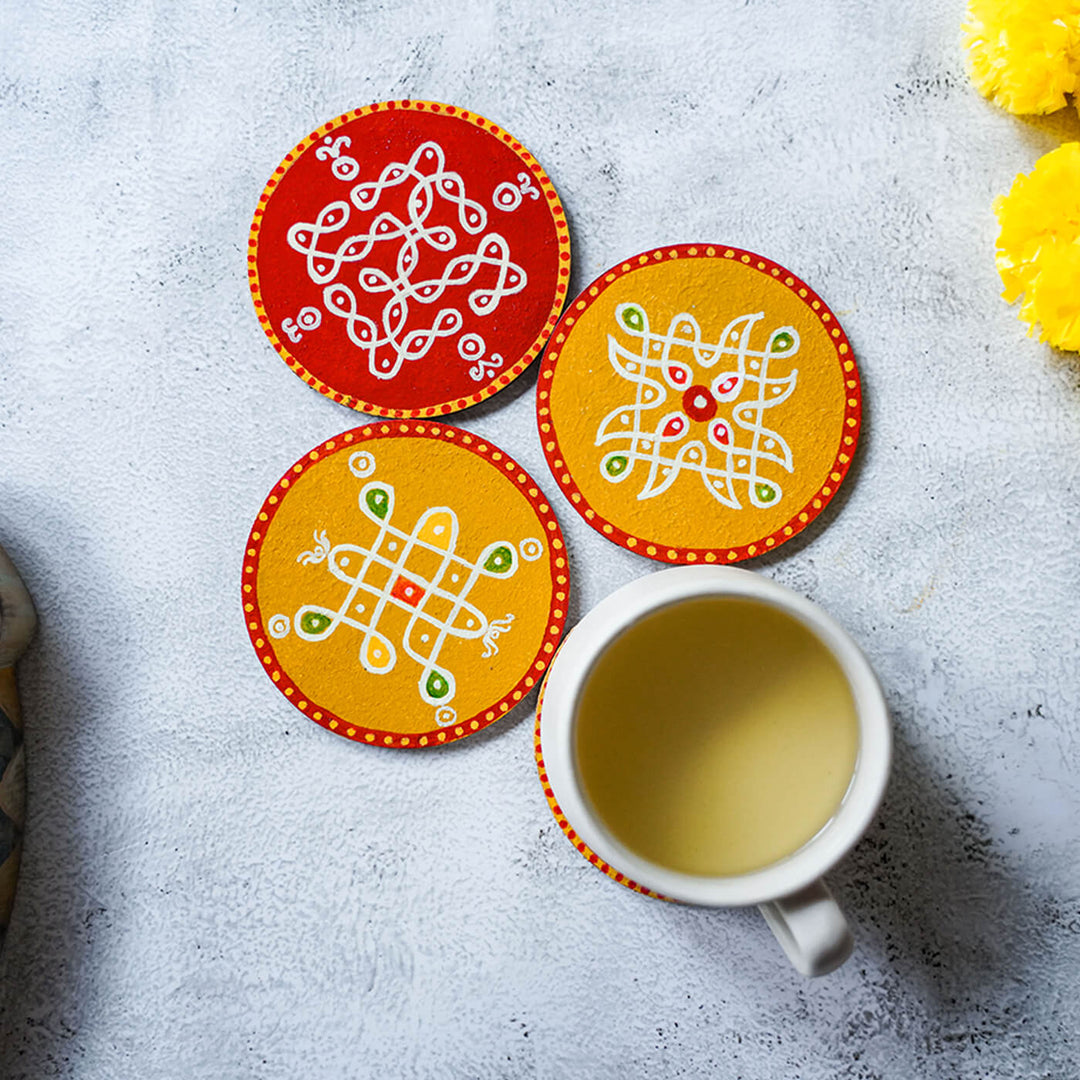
(792, 896)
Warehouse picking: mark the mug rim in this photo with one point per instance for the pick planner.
(625, 607)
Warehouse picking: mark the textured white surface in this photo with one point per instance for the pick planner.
(213, 886)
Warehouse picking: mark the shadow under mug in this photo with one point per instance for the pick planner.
(791, 894)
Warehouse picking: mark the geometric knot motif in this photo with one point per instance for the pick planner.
(676, 401)
(416, 206)
(420, 573)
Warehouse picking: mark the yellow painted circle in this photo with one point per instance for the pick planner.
(699, 406)
(406, 583)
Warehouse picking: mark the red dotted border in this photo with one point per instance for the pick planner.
(505, 377)
(567, 828)
(556, 611)
(654, 549)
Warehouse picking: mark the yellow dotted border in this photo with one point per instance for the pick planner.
(557, 610)
(849, 438)
(505, 377)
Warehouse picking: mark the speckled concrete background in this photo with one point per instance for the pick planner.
(213, 886)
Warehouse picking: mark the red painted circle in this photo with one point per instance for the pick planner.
(408, 259)
(698, 403)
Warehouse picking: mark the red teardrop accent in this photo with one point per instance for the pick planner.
(675, 426)
(720, 432)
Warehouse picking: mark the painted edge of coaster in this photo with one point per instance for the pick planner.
(556, 612)
(841, 463)
(568, 831)
(505, 377)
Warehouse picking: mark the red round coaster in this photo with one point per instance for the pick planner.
(409, 259)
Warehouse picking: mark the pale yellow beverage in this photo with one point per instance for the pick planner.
(716, 736)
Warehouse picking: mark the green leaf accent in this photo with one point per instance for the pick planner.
(781, 342)
(500, 560)
(633, 318)
(378, 500)
(765, 492)
(616, 465)
(313, 622)
(437, 686)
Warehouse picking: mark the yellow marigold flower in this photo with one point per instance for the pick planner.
(1024, 54)
(1038, 248)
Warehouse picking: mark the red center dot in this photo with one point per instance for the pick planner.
(699, 404)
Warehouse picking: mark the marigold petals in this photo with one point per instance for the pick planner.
(1038, 247)
(1024, 54)
(1053, 296)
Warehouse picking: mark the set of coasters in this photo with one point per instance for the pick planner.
(406, 582)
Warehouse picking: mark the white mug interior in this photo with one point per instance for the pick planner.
(570, 672)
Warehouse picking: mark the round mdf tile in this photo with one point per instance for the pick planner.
(409, 258)
(405, 584)
(699, 403)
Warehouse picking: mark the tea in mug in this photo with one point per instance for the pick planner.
(716, 736)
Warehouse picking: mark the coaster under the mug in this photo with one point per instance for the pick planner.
(699, 403)
(568, 831)
(405, 584)
(409, 258)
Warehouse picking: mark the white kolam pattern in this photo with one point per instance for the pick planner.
(648, 431)
(436, 602)
(338, 242)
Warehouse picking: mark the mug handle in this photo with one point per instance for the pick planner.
(811, 929)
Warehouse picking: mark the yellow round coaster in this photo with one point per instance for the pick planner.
(405, 584)
(699, 403)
